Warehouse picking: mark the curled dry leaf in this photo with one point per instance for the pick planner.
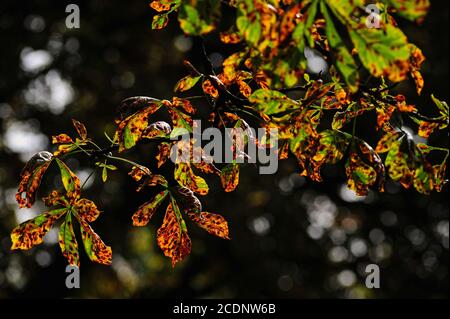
(31, 176)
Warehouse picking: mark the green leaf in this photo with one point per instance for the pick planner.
(272, 102)
(95, 248)
(160, 21)
(352, 111)
(332, 147)
(68, 242)
(186, 83)
(178, 131)
(198, 17)
(442, 106)
(413, 10)
(360, 175)
(70, 181)
(383, 52)
(185, 177)
(230, 177)
(130, 129)
(104, 174)
(344, 60)
(180, 121)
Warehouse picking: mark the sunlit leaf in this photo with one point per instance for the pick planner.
(413, 10)
(95, 248)
(210, 89)
(344, 60)
(62, 139)
(214, 224)
(186, 83)
(145, 212)
(32, 232)
(383, 52)
(163, 153)
(172, 236)
(230, 177)
(55, 198)
(86, 209)
(360, 175)
(185, 177)
(272, 102)
(198, 17)
(70, 181)
(68, 242)
(130, 129)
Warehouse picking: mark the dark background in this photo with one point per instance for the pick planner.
(291, 238)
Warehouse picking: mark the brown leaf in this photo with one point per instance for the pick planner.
(145, 212)
(210, 89)
(86, 209)
(32, 232)
(172, 237)
(31, 177)
(94, 246)
(230, 177)
(62, 139)
(214, 224)
(81, 129)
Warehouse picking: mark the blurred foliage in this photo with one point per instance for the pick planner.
(290, 237)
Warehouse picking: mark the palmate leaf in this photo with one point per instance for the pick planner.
(189, 203)
(31, 176)
(181, 122)
(364, 168)
(66, 144)
(68, 242)
(172, 236)
(400, 166)
(55, 198)
(32, 232)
